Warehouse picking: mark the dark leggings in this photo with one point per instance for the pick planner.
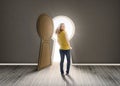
(62, 55)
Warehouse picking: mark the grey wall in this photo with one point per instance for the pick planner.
(96, 37)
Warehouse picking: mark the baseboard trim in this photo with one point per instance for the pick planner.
(84, 64)
(97, 64)
(18, 63)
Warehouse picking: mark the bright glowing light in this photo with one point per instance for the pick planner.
(70, 29)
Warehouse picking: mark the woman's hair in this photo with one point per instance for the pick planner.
(58, 30)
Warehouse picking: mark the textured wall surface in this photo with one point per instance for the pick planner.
(96, 38)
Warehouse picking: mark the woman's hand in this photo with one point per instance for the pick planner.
(70, 47)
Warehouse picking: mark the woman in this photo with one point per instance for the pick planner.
(64, 47)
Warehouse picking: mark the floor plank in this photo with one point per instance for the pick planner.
(50, 76)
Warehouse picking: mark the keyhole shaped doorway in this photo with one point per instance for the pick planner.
(70, 30)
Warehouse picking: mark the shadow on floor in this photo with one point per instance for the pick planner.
(69, 81)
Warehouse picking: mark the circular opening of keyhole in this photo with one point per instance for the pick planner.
(69, 28)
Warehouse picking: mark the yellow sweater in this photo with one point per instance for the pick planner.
(62, 40)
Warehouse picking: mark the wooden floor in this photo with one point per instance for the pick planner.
(50, 76)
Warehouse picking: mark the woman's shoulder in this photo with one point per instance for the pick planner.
(63, 32)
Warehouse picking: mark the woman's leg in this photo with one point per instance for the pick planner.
(62, 55)
(68, 61)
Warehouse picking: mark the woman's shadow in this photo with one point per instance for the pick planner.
(69, 82)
